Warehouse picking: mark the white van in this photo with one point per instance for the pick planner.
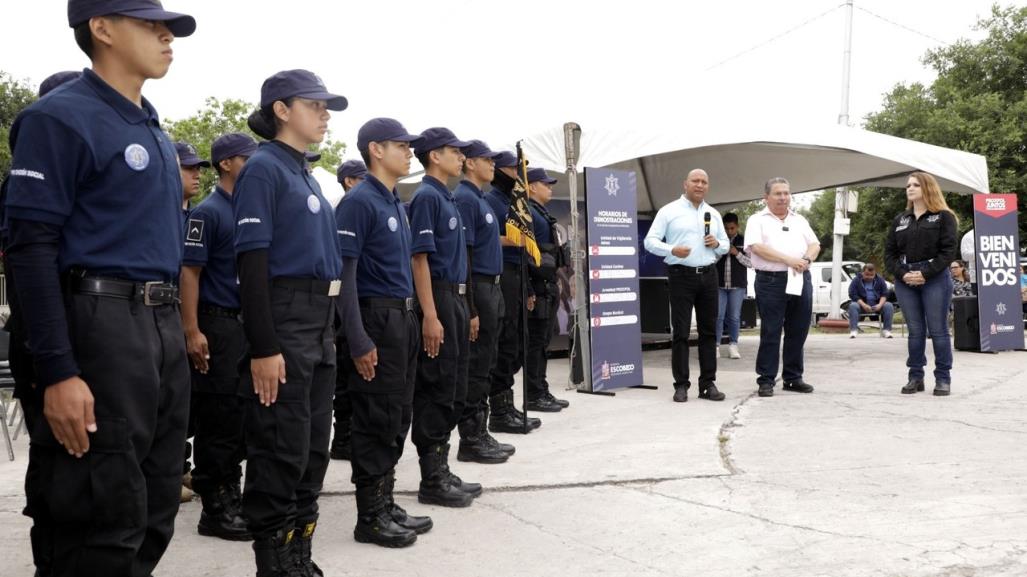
(820, 274)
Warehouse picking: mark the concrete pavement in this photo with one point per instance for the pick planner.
(853, 480)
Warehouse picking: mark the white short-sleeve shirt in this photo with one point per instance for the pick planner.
(790, 236)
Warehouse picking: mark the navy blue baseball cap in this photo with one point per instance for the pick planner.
(232, 144)
(438, 137)
(302, 83)
(383, 130)
(187, 155)
(351, 168)
(540, 175)
(181, 25)
(57, 79)
(478, 149)
(505, 159)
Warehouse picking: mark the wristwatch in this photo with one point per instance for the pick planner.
(808, 261)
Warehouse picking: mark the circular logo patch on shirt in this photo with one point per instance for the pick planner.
(137, 157)
(314, 204)
(393, 223)
(452, 223)
(488, 217)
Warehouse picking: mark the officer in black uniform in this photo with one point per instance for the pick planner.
(381, 331)
(349, 174)
(504, 415)
(289, 276)
(215, 342)
(94, 212)
(542, 318)
(440, 269)
(484, 303)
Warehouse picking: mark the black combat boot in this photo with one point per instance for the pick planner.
(473, 489)
(506, 418)
(275, 555)
(418, 525)
(374, 523)
(489, 439)
(553, 399)
(474, 447)
(220, 518)
(436, 488)
(302, 545)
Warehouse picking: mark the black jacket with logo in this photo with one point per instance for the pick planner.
(932, 237)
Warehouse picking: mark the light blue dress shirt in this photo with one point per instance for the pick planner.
(681, 223)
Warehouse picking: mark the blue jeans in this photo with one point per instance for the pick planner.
(729, 307)
(781, 312)
(886, 312)
(926, 309)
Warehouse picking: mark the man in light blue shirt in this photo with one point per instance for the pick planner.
(689, 234)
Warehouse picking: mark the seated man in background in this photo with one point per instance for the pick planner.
(868, 295)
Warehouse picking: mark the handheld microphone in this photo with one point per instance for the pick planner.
(706, 222)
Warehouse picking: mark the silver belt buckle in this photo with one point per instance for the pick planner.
(461, 289)
(334, 288)
(409, 303)
(146, 292)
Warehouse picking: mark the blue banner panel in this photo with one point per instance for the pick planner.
(998, 272)
(611, 201)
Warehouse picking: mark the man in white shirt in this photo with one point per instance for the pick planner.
(690, 235)
(782, 246)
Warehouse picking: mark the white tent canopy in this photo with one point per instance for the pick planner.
(740, 157)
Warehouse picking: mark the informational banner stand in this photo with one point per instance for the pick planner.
(997, 252)
(612, 281)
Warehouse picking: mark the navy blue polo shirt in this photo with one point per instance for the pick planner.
(438, 230)
(210, 243)
(481, 229)
(374, 229)
(539, 223)
(278, 206)
(91, 162)
(500, 203)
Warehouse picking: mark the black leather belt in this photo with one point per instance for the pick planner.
(695, 269)
(151, 294)
(216, 311)
(772, 272)
(486, 278)
(406, 304)
(456, 288)
(329, 288)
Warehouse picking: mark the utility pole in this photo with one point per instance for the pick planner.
(841, 199)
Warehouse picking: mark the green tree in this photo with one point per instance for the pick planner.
(978, 103)
(222, 116)
(15, 95)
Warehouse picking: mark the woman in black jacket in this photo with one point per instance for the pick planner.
(921, 244)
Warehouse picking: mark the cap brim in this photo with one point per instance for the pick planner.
(550, 181)
(458, 143)
(196, 162)
(332, 101)
(181, 25)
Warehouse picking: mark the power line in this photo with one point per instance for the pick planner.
(774, 38)
(903, 26)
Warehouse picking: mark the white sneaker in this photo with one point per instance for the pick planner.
(852, 334)
(733, 351)
(886, 334)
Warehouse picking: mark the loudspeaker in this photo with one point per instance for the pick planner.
(655, 305)
(966, 324)
(748, 314)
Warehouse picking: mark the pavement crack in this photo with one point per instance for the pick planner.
(725, 433)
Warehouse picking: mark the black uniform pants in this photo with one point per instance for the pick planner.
(508, 353)
(383, 406)
(112, 512)
(488, 299)
(541, 323)
(691, 290)
(341, 404)
(287, 443)
(217, 409)
(440, 389)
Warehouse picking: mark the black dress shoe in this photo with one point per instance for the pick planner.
(543, 405)
(942, 388)
(766, 391)
(680, 395)
(711, 393)
(798, 386)
(913, 386)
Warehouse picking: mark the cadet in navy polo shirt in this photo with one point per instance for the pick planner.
(349, 174)
(504, 417)
(381, 330)
(440, 269)
(215, 342)
(95, 243)
(289, 276)
(542, 317)
(484, 303)
(189, 165)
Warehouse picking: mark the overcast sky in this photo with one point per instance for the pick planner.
(500, 71)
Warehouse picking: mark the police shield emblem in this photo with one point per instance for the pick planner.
(452, 223)
(137, 157)
(313, 204)
(393, 223)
